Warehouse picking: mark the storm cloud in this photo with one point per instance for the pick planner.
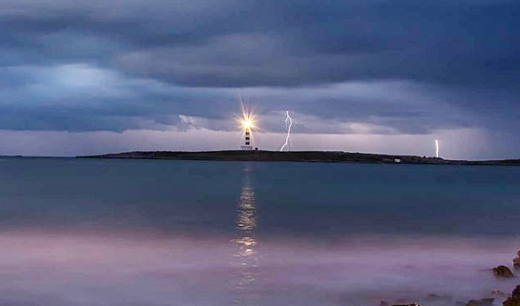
(373, 67)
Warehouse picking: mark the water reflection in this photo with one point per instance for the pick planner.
(246, 243)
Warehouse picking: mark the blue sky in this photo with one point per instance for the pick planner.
(89, 77)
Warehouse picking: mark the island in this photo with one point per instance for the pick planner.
(299, 156)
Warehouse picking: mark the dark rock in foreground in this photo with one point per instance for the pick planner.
(503, 271)
(514, 300)
(516, 261)
(481, 302)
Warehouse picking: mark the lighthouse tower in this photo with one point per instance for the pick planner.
(247, 140)
(247, 124)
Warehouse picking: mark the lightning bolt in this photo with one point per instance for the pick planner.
(437, 148)
(288, 124)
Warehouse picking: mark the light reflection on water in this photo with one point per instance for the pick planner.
(246, 255)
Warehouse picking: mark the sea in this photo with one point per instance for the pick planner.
(87, 232)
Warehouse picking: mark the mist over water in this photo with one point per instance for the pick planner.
(96, 232)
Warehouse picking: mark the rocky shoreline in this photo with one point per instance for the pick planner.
(500, 272)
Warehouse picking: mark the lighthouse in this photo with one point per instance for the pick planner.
(248, 137)
(247, 140)
(247, 124)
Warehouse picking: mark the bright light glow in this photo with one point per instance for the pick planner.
(247, 122)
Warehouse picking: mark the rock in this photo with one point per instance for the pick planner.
(514, 300)
(413, 304)
(503, 271)
(481, 302)
(516, 261)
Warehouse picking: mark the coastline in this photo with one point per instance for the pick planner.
(299, 156)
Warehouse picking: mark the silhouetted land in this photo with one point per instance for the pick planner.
(302, 156)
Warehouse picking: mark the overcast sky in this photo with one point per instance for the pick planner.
(97, 76)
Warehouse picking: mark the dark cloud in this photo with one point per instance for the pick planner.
(405, 66)
(274, 43)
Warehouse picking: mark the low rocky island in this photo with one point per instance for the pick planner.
(301, 156)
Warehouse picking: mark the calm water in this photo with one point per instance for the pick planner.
(96, 232)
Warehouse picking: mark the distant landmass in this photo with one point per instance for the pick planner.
(301, 156)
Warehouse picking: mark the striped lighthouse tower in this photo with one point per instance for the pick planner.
(247, 140)
(248, 137)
